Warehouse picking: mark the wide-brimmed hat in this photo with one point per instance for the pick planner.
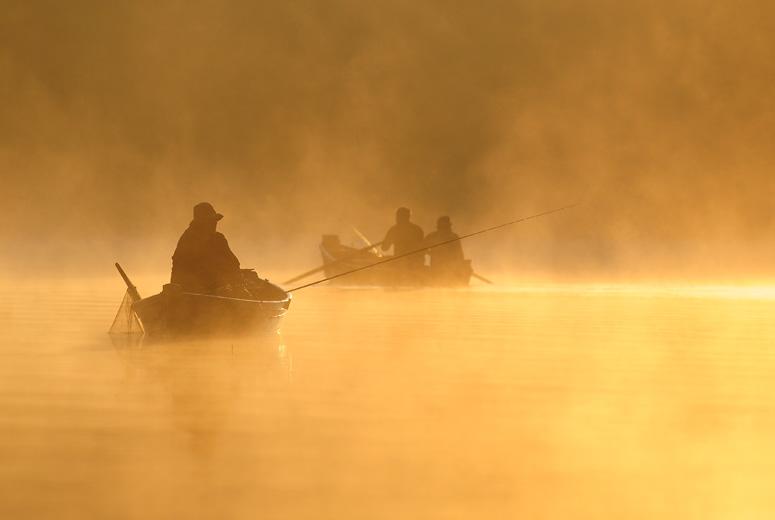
(204, 211)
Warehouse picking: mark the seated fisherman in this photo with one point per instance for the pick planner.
(202, 261)
(405, 237)
(447, 261)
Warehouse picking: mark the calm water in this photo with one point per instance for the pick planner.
(556, 403)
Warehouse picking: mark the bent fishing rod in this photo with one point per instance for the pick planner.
(431, 247)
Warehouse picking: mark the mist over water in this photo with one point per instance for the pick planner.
(569, 402)
(303, 118)
(588, 382)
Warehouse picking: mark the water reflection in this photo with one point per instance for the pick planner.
(537, 403)
(207, 381)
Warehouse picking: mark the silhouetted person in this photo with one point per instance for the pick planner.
(202, 260)
(405, 237)
(447, 261)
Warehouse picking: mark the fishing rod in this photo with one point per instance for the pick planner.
(436, 245)
(318, 269)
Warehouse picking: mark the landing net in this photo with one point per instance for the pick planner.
(126, 321)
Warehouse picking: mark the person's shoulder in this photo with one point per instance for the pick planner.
(432, 236)
(185, 236)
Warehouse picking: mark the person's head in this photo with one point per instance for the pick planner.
(443, 223)
(205, 216)
(403, 215)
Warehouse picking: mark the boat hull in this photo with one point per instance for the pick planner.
(339, 259)
(176, 313)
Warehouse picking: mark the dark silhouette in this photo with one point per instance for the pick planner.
(405, 237)
(202, 260)
(447, 261)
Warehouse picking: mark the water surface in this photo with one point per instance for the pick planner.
(539, 402)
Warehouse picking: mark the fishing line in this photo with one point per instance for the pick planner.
(431, 247)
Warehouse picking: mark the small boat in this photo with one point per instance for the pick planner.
(255, 307)
(367, 268)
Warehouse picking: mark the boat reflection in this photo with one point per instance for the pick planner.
(206, 387)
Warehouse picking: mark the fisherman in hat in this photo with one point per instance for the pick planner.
(202, 261)
(447, 261)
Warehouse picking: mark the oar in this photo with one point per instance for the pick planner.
(431, 247)
(318, 269)
(363, 237)
(133, 294)
(482, 278)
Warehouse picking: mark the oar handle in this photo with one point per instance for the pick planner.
(482, 278)
(129, 285)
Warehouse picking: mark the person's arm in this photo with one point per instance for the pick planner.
(228, 260)
(459, 249)
(427, 243)
(387, 242)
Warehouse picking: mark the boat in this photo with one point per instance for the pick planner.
(366, 267)
(255, 307)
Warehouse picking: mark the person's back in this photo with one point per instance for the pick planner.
(447, 260)
(405, 237)
(203, 260)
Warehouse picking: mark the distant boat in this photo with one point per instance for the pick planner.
(173, 312)
(339, 259)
